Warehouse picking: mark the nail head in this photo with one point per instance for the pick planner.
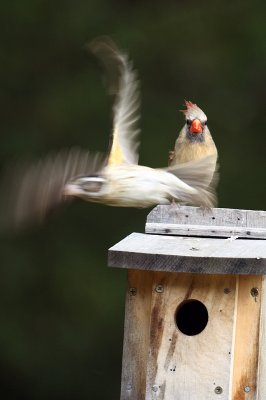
(155, 388)
(159, 289)
(133, 291)
(218, 390)
(254, 292)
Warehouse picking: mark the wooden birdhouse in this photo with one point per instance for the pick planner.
(195, 318)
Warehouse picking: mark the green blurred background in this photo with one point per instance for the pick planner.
(61, 308)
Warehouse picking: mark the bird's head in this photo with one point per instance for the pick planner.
(196, 122)
(85, 187)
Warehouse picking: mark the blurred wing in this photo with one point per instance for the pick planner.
(29, 192)
(198, 174)
(125, 86)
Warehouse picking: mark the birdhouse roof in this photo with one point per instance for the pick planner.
(191, 239)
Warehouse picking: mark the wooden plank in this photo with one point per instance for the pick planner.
(256, 218)
(190, 367)
(136, 335)
(244, 377)
(187, 254)
(205, 231)
(212, 217)
(196, 221)
(261, 384)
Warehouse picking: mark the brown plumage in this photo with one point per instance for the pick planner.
(195, 140)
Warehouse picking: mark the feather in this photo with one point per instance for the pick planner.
(124, 148)
(193, 111)
(30, 191)
(202, 175)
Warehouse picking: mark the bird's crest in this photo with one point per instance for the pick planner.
(193, 111)
(189, 105)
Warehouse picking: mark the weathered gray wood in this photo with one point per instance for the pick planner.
(136, 335)
(188, 254)
(246, 342)
(206, 231)
(261, 384)
(159, 362)
(190, 367)
(196, 221)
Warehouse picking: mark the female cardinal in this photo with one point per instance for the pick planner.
(194, 140)
(115, 180)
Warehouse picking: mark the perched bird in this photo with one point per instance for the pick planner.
(194, 140)
(115, 179)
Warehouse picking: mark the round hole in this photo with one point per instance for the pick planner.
(191, 317)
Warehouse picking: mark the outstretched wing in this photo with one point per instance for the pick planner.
(29, 192)
(198, 174)
(125, 86)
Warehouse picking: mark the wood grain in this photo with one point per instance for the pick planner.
(190, 367)
(196, 221)
(188, 254)
(204, 231)
(261, 383)
(159, 361)
(136, 335)
(246, 348)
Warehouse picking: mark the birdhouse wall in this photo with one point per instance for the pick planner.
(220, 362)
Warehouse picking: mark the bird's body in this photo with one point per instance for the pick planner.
(195, 140)
(132, 186)
(116, 179)
(186, 150)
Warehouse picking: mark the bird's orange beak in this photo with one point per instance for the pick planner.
(196, 126)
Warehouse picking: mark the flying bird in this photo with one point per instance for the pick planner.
(195, 140)
(115, 179)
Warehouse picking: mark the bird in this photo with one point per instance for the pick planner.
(195, 140)
(29, 192)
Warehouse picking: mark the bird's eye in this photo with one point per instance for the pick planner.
(204, 123)
(189, 122)
(92, 184)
